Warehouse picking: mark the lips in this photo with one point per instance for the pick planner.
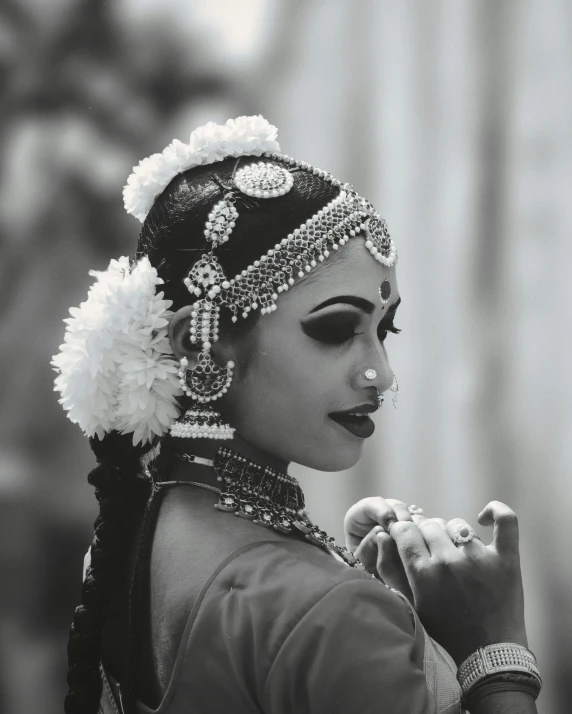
(356, 420)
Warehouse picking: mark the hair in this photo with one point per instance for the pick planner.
(173, 239)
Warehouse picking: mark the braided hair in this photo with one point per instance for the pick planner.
(118, 488)
(172, 237)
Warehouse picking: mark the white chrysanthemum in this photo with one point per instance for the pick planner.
(116, 367)
(244, 136)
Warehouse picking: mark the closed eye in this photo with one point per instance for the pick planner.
(333, 329)
(339, 330)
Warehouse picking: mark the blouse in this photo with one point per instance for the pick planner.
(248, 620)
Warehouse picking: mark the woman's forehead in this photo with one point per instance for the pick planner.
(353, 271)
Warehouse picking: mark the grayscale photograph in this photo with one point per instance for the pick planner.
(286, 316)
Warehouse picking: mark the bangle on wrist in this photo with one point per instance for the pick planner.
(502, 682)
(502, 657)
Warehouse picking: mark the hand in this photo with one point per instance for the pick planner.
(389, 565)
(466, 595)
(362, 524)
(364, 515)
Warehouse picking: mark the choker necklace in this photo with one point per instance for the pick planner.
(266, 497)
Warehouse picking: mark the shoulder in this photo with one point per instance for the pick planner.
(289, 626)
(307, 633)
(351, 644)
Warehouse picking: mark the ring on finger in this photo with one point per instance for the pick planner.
(415, 510)
(463, 534)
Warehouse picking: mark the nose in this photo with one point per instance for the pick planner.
(375, 373)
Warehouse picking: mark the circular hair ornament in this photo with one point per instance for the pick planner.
(385, 292)
(264, 180)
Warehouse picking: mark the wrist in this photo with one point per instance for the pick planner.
(471, 645)
(503, 666)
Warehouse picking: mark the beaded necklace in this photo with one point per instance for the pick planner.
(267, 497)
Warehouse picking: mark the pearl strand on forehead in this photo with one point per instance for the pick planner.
(258, 285)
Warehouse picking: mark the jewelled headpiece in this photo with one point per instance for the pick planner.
(258, 285)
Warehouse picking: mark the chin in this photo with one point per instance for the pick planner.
(338, 457)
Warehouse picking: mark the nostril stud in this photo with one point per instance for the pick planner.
(370, 374)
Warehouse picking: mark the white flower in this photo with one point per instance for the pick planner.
(116, 366)
(244, 136)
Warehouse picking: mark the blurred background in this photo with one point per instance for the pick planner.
(454, 118)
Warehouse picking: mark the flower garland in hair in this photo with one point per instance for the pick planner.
(116, 367)
(243, 136)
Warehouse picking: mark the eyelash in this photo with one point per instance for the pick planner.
(380, 331)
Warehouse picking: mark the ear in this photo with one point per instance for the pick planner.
(179, 337)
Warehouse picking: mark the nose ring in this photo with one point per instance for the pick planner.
(380, 400)
(370, 374)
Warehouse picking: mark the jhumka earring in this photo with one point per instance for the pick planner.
(208, 381)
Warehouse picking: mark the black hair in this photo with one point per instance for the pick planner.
(119, 489)
(172, 234)
(173, 238)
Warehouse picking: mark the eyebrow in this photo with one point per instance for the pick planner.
(356, 301)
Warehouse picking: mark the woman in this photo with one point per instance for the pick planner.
(249, 333)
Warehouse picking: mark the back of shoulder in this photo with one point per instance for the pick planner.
(323, 636)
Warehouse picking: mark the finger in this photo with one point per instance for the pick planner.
(401, 509)
(459, 527)
(389, 565)
(410, 545)
(505, 522)
(366, 551)
(421, 519)
(437, 539)
(371, 511)
(441, 522)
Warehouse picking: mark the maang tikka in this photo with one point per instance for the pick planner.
(209, 381)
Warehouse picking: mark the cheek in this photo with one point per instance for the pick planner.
(287, 387)
(287, 370)
(281, 402)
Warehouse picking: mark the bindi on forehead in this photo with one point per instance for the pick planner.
(385, 292)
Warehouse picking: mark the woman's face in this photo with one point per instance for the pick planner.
(305, 364)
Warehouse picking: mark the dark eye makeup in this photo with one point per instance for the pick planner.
(339, 328)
